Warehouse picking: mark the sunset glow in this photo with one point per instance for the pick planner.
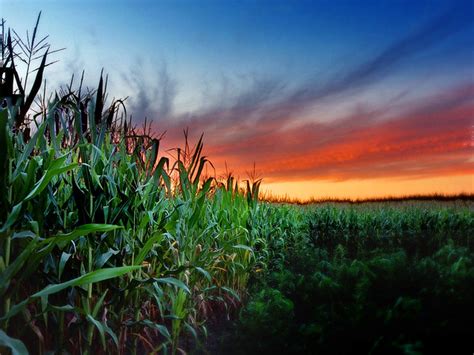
(370, 188)
(327, 99)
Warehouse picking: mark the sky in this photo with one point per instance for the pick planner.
(344, 99)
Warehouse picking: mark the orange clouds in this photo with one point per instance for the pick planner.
(424, 140)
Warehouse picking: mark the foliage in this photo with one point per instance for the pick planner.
(115, 247)
(367, 280)
(107, 246)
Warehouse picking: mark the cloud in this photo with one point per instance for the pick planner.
(267, 99)
(263, 123)
(384, 63)
(426, 138)
(419, 142)
(151, 97)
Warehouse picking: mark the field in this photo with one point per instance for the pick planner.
(107, 245)
(366, 278)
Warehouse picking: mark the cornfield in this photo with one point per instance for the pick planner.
(101, 238)
(108, 245)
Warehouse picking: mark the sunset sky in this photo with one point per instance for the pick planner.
(328, 98)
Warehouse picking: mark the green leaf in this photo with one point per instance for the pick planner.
(148, 323)
(191, 330)
(65, 308)
(91, 277)
(4, 137)
(99, 303)
(16, 346)
(101, 259)
(16, 265)
(99, 327)
(12, 217)
(147, 247)
(55, 169)
(29, 148)
(160, 171)
(62, 262)
(83, 230)
(23, 234)
(244, 247)
(172, 281)
(112, 334)
(204, 272)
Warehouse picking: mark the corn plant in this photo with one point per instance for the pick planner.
(119, 248)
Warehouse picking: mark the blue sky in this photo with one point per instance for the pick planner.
(225, 66)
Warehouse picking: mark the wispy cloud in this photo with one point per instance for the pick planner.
(424, 139)
(151, 97)
(263, 123)
(387, 61)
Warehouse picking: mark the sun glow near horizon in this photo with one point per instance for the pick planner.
(370, 188)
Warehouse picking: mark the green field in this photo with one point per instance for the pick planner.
(368, 278)
(109, 246)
